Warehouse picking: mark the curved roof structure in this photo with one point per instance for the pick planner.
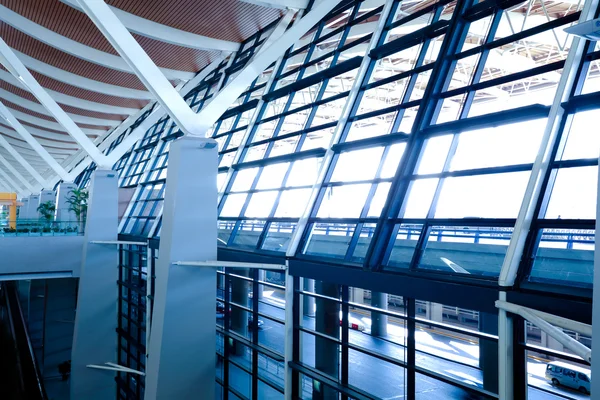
(80, 70)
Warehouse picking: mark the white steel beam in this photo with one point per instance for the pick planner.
(188, 121)
(279, 4)
(38, 108)
(71, 100)
(213, 111)
(165, 33)
(126, 45)
(43, 123)
(564, 339)
(17, 174)
(158, 113)
(63, 147)
(542, 162)
(58, 138)
(33, 143)
(80, 81)
(16, 67)
(12, 183)
(17, 156)
(73, 47)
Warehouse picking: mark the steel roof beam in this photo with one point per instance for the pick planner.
(13, 185)
(75, 48)
(279, 4)
(18, 175)
(165, 33)
(16, 67)
(71, 100)
(33, 143)
(80, 81)
(187, 120)
(38, 108)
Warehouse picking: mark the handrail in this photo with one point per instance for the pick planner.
(569, 237)
(30, 373)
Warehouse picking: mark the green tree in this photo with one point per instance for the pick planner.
(46, 210)
(78, 203)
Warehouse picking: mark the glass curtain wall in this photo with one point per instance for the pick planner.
(421, 174)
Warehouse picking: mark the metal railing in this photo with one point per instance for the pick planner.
(470, 234)
(30, 377)
(41, 228)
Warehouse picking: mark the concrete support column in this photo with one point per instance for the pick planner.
(63, 193)
(357, 295)
(327, 353)
(95, 340)
(308, 303)
(23, 208)
(47, 195)
(261, 277)
(435, 312)
(34, 202)
(181, 353)
(379, 322)
(488, 352)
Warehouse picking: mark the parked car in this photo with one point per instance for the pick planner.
(354, 324)
(572, 376)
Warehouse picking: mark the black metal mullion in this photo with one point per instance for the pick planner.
(427, 111)
(481, 63)
(411, 349)
(344, 377)
(255, 296)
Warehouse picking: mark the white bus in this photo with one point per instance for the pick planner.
(568, 375)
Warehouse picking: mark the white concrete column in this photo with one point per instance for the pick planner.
(62, 212)
(47, 195)
(95, 338)
(24, 208)
(357, 295)
(435, 312)
(181, 352)
(34, 202)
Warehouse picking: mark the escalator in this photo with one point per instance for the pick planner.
(20, 378)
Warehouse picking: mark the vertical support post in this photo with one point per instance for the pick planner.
(23, 208)
(379, 321)
(327, 352)
(411, 349)
(505, 354)
(181, 352)
(94, 339)
(47, 195)
(34, 201)
(308, 308)
(488, 352)
(12, 214)
(289, 333)
(63, 212)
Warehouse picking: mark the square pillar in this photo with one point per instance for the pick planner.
(63, 193)
(34, 202)
(23, 208)
(47, 195)
(95, 337)
(181, 353)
